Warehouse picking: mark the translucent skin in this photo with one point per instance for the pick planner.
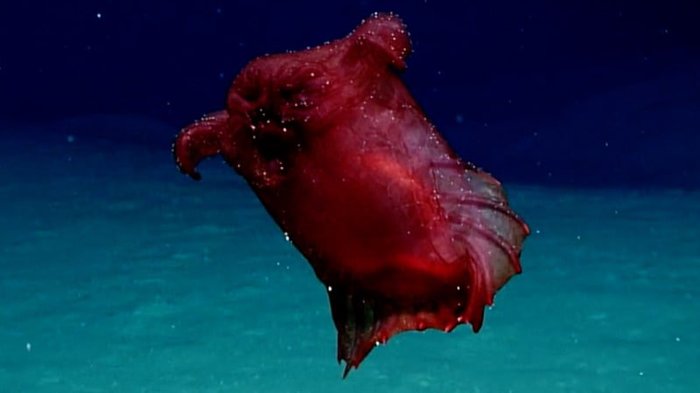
(402, 232)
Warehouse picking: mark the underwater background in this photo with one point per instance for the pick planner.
(118, 274)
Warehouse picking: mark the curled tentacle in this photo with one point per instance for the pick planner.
(198, 141)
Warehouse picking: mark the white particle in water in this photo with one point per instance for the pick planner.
(99, 15)
(286, 236)
(330, 288)
(70, 139)
(29, 347)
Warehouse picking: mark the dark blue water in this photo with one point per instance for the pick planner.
(119, 274)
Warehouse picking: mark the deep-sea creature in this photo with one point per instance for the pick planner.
(403, 233)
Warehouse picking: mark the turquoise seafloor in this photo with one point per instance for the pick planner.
(120, 275)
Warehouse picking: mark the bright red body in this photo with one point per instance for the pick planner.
(403, 233)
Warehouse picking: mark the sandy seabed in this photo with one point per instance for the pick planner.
(119, 274)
